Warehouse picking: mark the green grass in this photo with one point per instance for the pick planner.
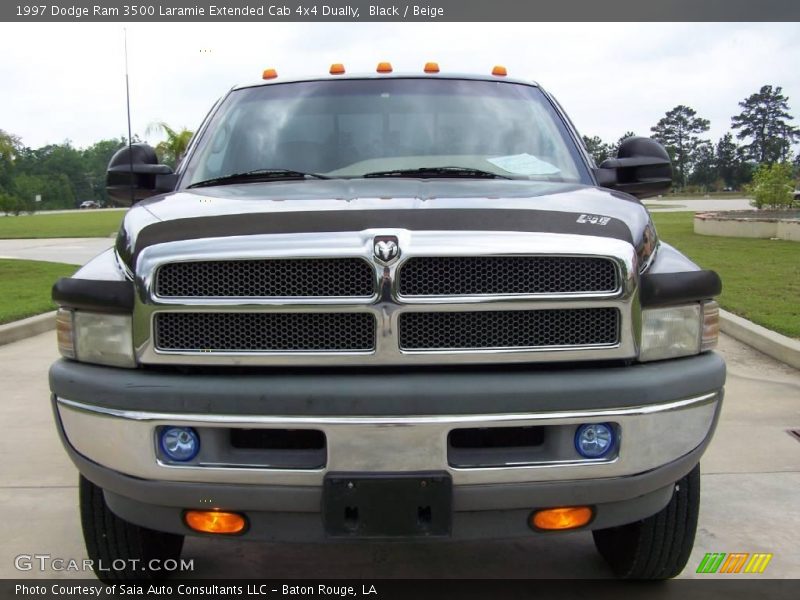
(87, 223)
(760, 278)
(25, 287)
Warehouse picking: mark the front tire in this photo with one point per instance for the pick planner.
(659, 546)
(111, 540)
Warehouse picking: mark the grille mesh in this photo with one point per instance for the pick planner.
(323, 277)
(508, 328)
(264, 332)
(480, 275)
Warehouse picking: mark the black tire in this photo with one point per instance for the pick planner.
(659, 546)
(111, 540)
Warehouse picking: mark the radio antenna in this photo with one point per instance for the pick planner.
(128, 103)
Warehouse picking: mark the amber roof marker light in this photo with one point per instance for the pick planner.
(384, 67)
(337, 69)
(431, 67)
(499, 71)
(269, 74)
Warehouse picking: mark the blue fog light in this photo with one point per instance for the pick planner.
(595, 440)
(179, 443)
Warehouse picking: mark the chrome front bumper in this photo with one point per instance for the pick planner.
(651, 435)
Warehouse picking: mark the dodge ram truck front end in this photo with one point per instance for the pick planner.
(390, 307)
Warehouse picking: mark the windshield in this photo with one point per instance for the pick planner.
(388, 127)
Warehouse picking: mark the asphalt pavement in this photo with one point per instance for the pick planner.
(751, 477)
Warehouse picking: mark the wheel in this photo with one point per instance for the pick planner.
(111, 540)
(659, 546)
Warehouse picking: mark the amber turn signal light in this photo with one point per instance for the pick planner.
(269, 74)
(561, 518)
(384, 67)
(215, 521)
(499, 71)
(65, 333)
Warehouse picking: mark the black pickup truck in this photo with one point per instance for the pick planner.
(388, 306)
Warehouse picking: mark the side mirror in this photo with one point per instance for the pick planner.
(134, 174)
(642, 168)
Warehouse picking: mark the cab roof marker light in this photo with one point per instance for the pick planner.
(431, 67)
(499, 71)
(384, 67)
(337, 69)
(269, 74)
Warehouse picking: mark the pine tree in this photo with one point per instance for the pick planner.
(677, 131)
(764, 121)
(597, 148)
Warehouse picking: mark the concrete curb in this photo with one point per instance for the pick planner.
(19, 330)
(775, 345)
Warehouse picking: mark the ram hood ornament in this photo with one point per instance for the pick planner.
(386, 248)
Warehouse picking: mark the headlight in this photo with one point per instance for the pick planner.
(678, 330)
(95, 337)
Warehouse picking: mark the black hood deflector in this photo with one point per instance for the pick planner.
(356, 205)
(460, 219)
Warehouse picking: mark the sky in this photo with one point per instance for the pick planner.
(66, 81)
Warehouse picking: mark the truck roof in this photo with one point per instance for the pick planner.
(393, 75)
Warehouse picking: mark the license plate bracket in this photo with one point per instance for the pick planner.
(388, 505)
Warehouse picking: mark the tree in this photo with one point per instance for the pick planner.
(625, 136)
(171, 150)
(677, 131)
(7, 203)
(10, 146)
(764, 120)
(54, 189)
(597, 148)
(732, 165)
(772, 186)
(52, 162)
(704, 166)
(95, 159)
(726, 156)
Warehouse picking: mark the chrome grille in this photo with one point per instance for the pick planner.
(505, 275)
(264, 332)
(508, 329)
(503, 299)
(308, 278)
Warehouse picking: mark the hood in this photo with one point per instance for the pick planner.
(358, 204)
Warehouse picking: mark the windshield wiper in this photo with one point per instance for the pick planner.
(257, 175)
(428, 172)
